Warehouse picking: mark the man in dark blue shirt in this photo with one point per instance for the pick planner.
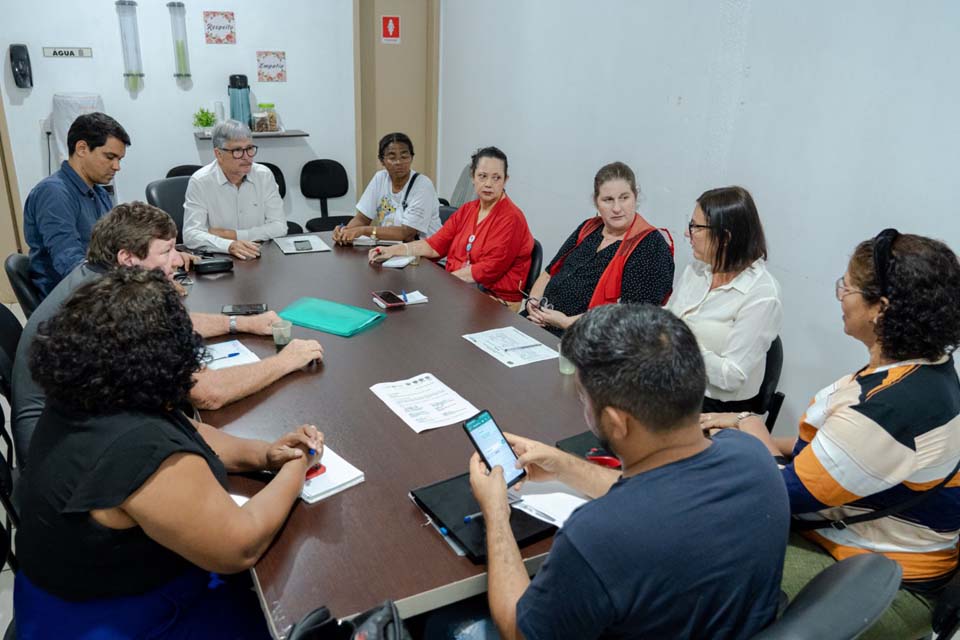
(688, 542)
(61, 210)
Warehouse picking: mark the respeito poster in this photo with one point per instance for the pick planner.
(220, 27)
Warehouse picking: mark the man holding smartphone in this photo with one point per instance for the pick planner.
(687, 542)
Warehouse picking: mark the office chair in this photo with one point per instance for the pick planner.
(18, 273)
(183, 170)
(463, 192)
(278, 176)
(768, 400)
(445, 212)
(841, 602)
(324, 179)
(169, 194)
(536, 263)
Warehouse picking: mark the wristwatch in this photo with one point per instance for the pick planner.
(373, 234)
(233, 324)
(743, 415)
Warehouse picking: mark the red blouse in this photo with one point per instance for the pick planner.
(499, 254)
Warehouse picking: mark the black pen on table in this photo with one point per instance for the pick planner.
(525, 346)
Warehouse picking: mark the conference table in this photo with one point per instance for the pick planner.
(370, 543)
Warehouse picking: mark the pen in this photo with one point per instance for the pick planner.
(526, 346)
(229, 355)
(472, 516)
(403, 294)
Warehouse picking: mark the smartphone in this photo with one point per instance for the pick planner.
(389, 299)
(302, 245)
(243, 309)
(493, 447)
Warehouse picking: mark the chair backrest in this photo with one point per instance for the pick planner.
(183, 170)
(841, 602)
(536, 264)
(771, 377)
(278, 176)
(323, 179)
(445, 212)
(463, 192)
(169, 194)
(28, 295)
(10, 330)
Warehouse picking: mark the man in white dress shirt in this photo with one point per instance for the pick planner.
(233, 203)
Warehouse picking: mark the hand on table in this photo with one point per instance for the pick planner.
(382, 254)
(465, 273)
(346, 235)
(490, 489)
(718, 421)
(299, 353)
(296, 445)
(547, 317)
(189, 259)
(244, 249)
(259, 324)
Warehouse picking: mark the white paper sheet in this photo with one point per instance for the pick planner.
(222, 358)
(551, 502)
(511, 346)
(423, 402)
(398, 262)
(287, 245)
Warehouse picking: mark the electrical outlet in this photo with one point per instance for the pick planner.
(45, 125)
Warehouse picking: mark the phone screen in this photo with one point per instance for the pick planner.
(389, 297)
(243, 309)
(302, 245)
(493, 447)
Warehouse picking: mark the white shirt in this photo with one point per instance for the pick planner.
(254, 210)
(735, 325)
(385, 208)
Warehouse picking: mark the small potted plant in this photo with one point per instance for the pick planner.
(203, 120)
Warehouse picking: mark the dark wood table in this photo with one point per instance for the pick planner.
(370, 543)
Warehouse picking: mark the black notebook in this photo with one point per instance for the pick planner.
(448, 501)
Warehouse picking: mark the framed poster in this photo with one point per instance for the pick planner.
(271, 66)
(220, 27)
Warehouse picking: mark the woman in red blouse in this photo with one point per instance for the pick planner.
(485, 241)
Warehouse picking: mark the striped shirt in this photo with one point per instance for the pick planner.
(872, 440)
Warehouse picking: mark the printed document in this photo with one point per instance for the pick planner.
(423, 402)
(550, 501)
(228, 354)
(511, 346)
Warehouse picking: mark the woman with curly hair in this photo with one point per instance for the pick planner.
(126, 519)
(874, 468)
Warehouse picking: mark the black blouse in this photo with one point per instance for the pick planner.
(80, 463)
(647, 275)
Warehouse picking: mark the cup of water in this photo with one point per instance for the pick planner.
(282, 331)
(566, 367)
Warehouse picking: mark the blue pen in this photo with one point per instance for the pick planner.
(403, 294)
(473, 516)
(443, 531)
(229, 355)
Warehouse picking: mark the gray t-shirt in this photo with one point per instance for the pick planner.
(28, 398)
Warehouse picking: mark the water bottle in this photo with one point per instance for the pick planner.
(239, 92)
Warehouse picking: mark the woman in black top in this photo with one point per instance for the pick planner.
(616, 256)
(126, 519)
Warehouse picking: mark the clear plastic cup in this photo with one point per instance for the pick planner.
(282, 331)
(566, 367)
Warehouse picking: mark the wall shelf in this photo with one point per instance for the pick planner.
(289, 133)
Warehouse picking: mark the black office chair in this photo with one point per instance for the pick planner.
(768, 400)
(18, 273)
(293, 228)
(10, 331)
(184, 170)
(445, 212)
(169, 194)
(536, 263)
(324, 179)
(444, 202)
(841, 602)
(278, 176)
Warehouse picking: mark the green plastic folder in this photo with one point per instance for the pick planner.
(331, 317)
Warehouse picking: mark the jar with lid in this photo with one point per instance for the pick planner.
(265, 119)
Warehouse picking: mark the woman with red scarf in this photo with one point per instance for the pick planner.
(615, 256)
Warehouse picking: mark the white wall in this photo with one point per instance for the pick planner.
(841, 118)
(318, 96)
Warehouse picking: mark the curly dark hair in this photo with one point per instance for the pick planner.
(921, 318)
(124, 342)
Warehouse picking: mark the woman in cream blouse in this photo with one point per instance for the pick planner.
(728, 298)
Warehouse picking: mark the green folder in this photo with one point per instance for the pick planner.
(331, 317)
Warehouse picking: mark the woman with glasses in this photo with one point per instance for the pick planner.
(874, 468)
(232, 203)
(127, 527)
(486, 241)
(614, 256)
(728, 298)
(398, 203)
